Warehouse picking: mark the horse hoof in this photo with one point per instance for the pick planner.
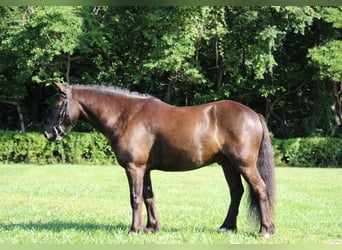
(137, 231)
(154, 228)
(226, 230)
(265, 236)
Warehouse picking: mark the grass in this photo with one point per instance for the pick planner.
(72, 204)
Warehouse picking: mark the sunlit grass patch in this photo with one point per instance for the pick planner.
(90, 205)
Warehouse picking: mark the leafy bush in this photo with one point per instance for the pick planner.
(317, 152)
(93, 147)
(74, 148)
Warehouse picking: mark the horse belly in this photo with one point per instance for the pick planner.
(182, 157)
(186, 140)
(179, 163)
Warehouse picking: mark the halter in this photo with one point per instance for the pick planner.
(64, 113)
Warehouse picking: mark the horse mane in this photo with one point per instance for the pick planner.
(114, 90)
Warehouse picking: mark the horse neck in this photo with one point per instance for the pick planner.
(104, 111)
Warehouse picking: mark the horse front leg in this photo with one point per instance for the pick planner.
(153, 223)
(135, 176)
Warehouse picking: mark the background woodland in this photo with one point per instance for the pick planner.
(284, 62)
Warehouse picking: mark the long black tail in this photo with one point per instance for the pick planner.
(265, 165)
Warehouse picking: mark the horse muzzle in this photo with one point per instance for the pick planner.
(52, 136)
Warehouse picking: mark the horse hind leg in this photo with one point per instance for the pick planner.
(259, 192)
(236, 190)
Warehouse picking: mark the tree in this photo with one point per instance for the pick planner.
(155, 50)
(39, 45)
(327, 57)
(282, 61)
(250, 62)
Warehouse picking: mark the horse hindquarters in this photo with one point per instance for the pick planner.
(243, 136)
(260, 177)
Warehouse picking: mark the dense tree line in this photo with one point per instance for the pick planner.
(284, 62)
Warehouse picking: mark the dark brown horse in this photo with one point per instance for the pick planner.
(146, 133)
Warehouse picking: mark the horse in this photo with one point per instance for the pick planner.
(146, 133)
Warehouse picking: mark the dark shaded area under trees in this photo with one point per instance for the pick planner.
(284, 62)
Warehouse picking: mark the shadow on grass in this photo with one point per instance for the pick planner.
(210, 230)
(58, 226)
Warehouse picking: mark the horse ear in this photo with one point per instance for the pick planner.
(60, 87)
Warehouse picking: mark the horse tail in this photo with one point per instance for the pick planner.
(265, 166)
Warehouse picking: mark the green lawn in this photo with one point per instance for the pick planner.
(90, 204)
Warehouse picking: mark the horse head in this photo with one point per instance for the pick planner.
(63, 114)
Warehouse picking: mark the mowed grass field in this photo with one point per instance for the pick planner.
(75, 204)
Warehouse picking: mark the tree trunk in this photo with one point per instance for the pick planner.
(67, 75)
(168, 93)
(20, 115)
(219, 78)
(337, 102)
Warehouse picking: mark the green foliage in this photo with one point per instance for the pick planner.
(93, 147)
(75, 148)
(308, 152)
(277, 59)
(332, 15)
(327, 57)
(40, 41)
